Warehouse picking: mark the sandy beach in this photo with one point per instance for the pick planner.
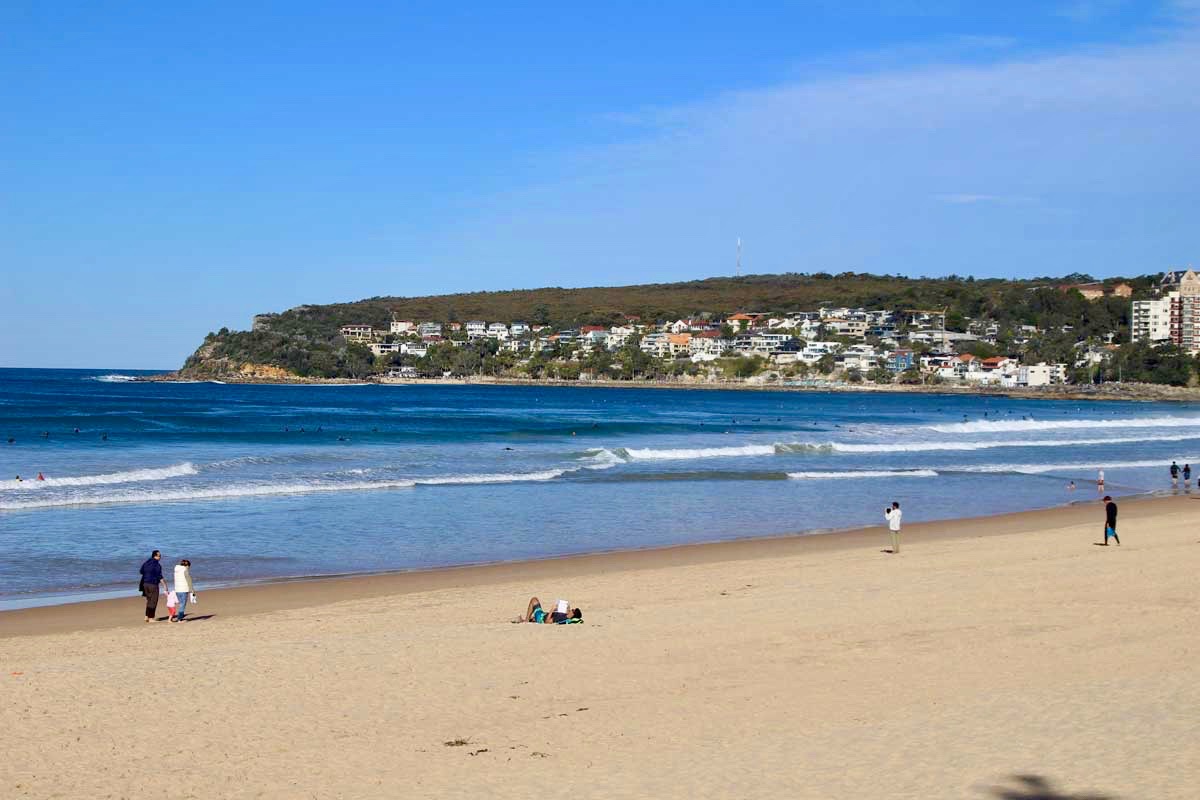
(1004, 657)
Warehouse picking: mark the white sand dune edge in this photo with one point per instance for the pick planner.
(824, 672)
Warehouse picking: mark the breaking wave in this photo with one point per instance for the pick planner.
(623, 454)
(130, 476)
(113, 378)
(233, 491)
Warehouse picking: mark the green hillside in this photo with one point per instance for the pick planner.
(305, 340)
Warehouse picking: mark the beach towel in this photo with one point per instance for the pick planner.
(570, 621)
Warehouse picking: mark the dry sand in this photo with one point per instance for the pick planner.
(804, 667)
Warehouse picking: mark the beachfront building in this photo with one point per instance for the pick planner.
(619, 335)
(381, 348)
(593, 337)
(1173, 318)
(656, 344)
(708, 346)
(900, 359)
(1150, 321)
(1041, 374)
(357, 333)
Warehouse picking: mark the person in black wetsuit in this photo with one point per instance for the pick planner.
(1110, 520)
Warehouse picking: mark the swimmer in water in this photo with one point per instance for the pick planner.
(1071, 486)
(41, 477)
(104, 437)
(19, 479)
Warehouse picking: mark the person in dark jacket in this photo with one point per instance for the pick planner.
(1110, 520)
(152, 579)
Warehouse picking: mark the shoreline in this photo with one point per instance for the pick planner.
(1140, 392)
(297, 592)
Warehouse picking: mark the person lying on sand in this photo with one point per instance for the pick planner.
(561, 614)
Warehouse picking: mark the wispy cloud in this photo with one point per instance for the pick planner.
(864, 170)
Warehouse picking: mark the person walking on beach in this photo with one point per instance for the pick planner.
(184, 590)
(1187, 476)
(1100, 481)
(1110, 520)
(1174, 474)
(152, 579)
(892, 514)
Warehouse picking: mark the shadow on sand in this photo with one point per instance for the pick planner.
(1035, 787)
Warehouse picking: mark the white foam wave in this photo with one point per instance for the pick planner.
(233, 491)
(1114, 423)
(129, 476)
(919, 447)
(502, 477)
(114, 378)
(206, 493)
(900, 473)
(687, 454)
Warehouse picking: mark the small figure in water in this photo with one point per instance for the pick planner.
(77, 430)
(11, 440)
(45, 434)
(342, 439)
(41, 477)
(1071, 486)
(104, 437)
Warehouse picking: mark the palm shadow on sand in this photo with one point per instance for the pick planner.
(1035, 787)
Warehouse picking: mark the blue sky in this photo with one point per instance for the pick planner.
(170, 169)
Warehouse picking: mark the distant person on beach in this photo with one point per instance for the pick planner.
(152, 579)
(1110, 520)
(1071, 486)
(184, 590)
(1100, 481)
(892, 514)
(1174, 474)
(1187, 475)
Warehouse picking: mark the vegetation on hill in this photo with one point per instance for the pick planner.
(305, 340)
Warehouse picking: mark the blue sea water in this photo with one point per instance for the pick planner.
(264, 482)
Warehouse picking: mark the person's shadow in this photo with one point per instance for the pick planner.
(1035, 787)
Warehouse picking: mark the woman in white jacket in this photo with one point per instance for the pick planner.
(183, 587)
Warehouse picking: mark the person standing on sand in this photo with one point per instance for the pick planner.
(1100, 481)
(1187, 476)
(152, 579)
(184, 589)
(1110, 520)
(892, 514)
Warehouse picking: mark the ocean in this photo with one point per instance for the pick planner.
(257, 483)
